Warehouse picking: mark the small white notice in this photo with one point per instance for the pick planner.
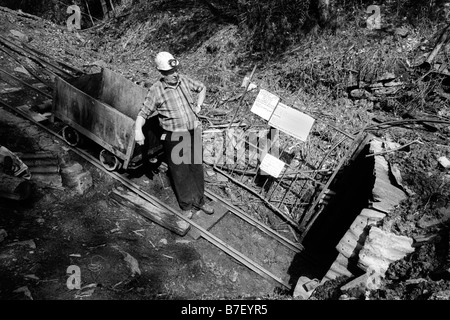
(264, 104)
(291, 121)
(272, 165)
(251, 85)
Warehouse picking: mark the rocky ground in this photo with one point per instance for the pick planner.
(58, 228)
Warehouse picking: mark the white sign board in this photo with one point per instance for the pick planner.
(264, 104)
(272, 165)
(291, 121)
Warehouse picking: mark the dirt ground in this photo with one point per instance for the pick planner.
(58, 228)
(94, 233)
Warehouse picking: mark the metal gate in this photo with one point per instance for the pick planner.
(283, 172)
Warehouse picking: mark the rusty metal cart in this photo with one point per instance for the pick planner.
(103, 107)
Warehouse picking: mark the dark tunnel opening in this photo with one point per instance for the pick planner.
(353, 186)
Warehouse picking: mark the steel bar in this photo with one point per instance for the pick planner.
(204, 233)
(269, 151)
(275, 209)
(239, 152)
(321, 163)
(288, 174)
(252, 154)
(68, 67)
(26, 68)
(250, 220)
(26, 84)
(11, 45)
(279, 180)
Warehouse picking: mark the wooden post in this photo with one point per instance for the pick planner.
(105, 9)
(156, 214)
(14, 188)
(112, 7)
(89, 11)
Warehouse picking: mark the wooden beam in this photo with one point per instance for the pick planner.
(146, 209)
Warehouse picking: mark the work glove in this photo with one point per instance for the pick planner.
(139, 137)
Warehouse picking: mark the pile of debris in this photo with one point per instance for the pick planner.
(371, 246)
(399, 86)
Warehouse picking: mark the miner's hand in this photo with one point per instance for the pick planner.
(139, 137)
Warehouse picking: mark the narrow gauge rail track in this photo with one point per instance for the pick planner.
(207, 235)
(156, 201)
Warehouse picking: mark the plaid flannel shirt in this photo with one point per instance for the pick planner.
(174, 104)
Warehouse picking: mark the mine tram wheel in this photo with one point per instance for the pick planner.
(109, 161)
(71, 136)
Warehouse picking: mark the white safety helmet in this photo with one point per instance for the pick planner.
(165, 61)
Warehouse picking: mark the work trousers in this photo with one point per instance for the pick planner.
(183, 152)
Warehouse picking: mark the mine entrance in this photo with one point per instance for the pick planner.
(352, 189)
(284, 159)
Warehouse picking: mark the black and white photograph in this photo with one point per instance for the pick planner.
(217, 159)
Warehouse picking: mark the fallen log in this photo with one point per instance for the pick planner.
(14, 188)
(156, 214)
